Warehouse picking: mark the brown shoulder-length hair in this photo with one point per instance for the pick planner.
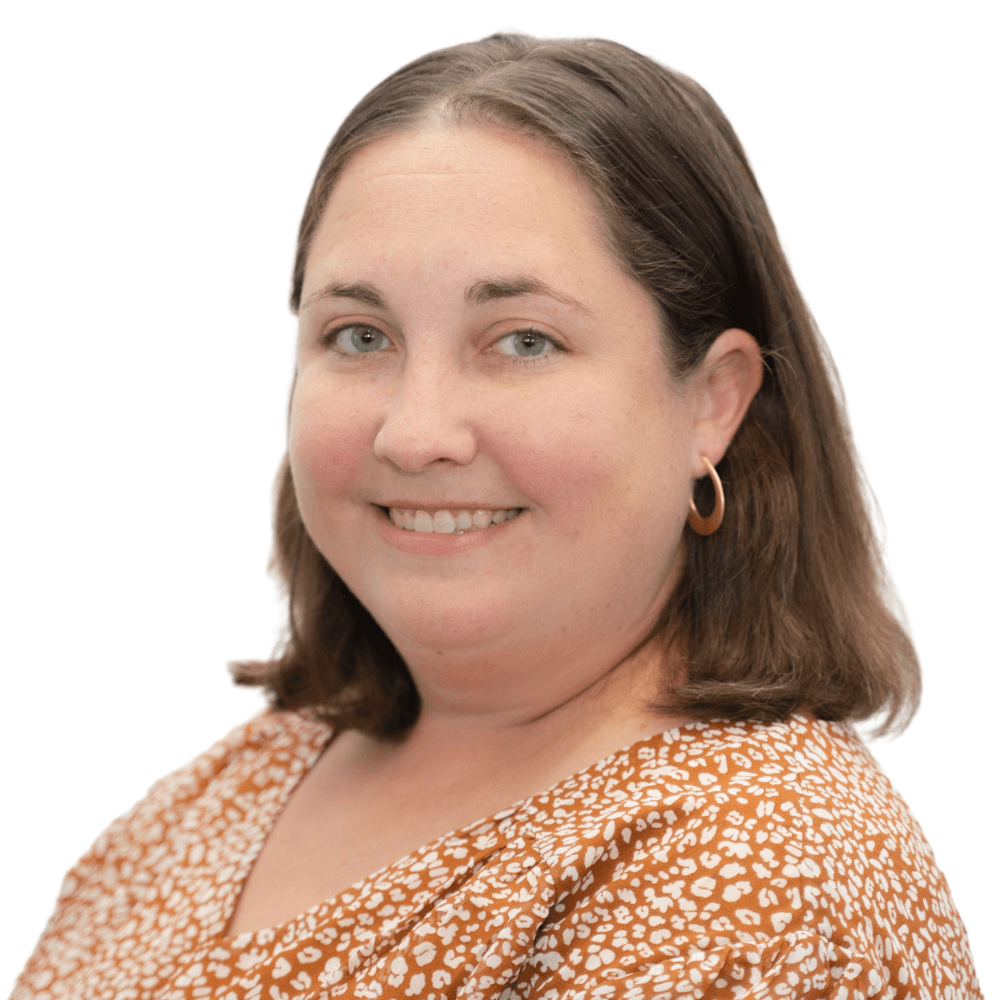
(787, 605)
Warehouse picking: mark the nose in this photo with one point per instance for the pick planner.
(428, 419)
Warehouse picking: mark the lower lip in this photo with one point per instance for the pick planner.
(426, 543)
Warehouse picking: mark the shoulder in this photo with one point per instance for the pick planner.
(740, 850)
(268, 739)
(735, 782)
(176, 818)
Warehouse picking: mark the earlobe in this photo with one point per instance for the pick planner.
(730, 376)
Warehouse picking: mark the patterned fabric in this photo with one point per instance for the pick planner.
(721, 860)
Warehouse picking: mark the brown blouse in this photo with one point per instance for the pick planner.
(721, 860)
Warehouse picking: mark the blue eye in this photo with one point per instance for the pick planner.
(525, 344)
(359, 339)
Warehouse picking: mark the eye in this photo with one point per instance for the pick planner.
(358, 339)
(525, 344)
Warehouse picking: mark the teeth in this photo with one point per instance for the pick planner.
(444, 523)
(449, 522)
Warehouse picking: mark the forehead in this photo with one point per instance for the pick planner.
(459, 190)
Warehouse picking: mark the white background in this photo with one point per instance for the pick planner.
(157, 157)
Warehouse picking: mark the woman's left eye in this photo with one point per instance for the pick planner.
(525, 344)
(358, 339)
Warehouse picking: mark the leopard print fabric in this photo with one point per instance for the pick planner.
(717, 861)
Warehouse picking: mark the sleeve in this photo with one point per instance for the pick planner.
(713, 903)
(99, 893)
(803, 965)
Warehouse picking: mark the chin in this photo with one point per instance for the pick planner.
(444, 626)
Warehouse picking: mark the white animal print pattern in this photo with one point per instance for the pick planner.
(716, 861)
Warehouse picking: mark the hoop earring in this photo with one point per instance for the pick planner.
(709, 525)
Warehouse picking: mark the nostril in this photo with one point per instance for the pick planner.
(413, 446)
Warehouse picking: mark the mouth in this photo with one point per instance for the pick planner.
(448, 521)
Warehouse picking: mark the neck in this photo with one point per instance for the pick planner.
(538, 748)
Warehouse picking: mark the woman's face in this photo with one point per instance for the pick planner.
(470, 353)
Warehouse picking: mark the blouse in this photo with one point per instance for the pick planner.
(721, 860)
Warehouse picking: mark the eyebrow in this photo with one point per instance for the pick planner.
(478, 293)
(360, 291)
(493, 289)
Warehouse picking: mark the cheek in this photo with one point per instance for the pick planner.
(329, 441)
(592, 460)
(551, 455)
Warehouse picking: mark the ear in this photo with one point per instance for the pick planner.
(725, 383)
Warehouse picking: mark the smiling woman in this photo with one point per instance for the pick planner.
(543, 321)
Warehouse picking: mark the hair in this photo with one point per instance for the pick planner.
(786, 606)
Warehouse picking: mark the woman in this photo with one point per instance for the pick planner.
(567, 473)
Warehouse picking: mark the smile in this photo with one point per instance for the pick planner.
(448, 522)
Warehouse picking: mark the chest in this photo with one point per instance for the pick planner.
(366, 805)
(337, 829)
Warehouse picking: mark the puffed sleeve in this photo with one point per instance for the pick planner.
(749, 888)
(803, 966)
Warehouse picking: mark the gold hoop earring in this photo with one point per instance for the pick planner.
(709, 525)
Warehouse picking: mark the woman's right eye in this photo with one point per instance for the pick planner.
(357, 339)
